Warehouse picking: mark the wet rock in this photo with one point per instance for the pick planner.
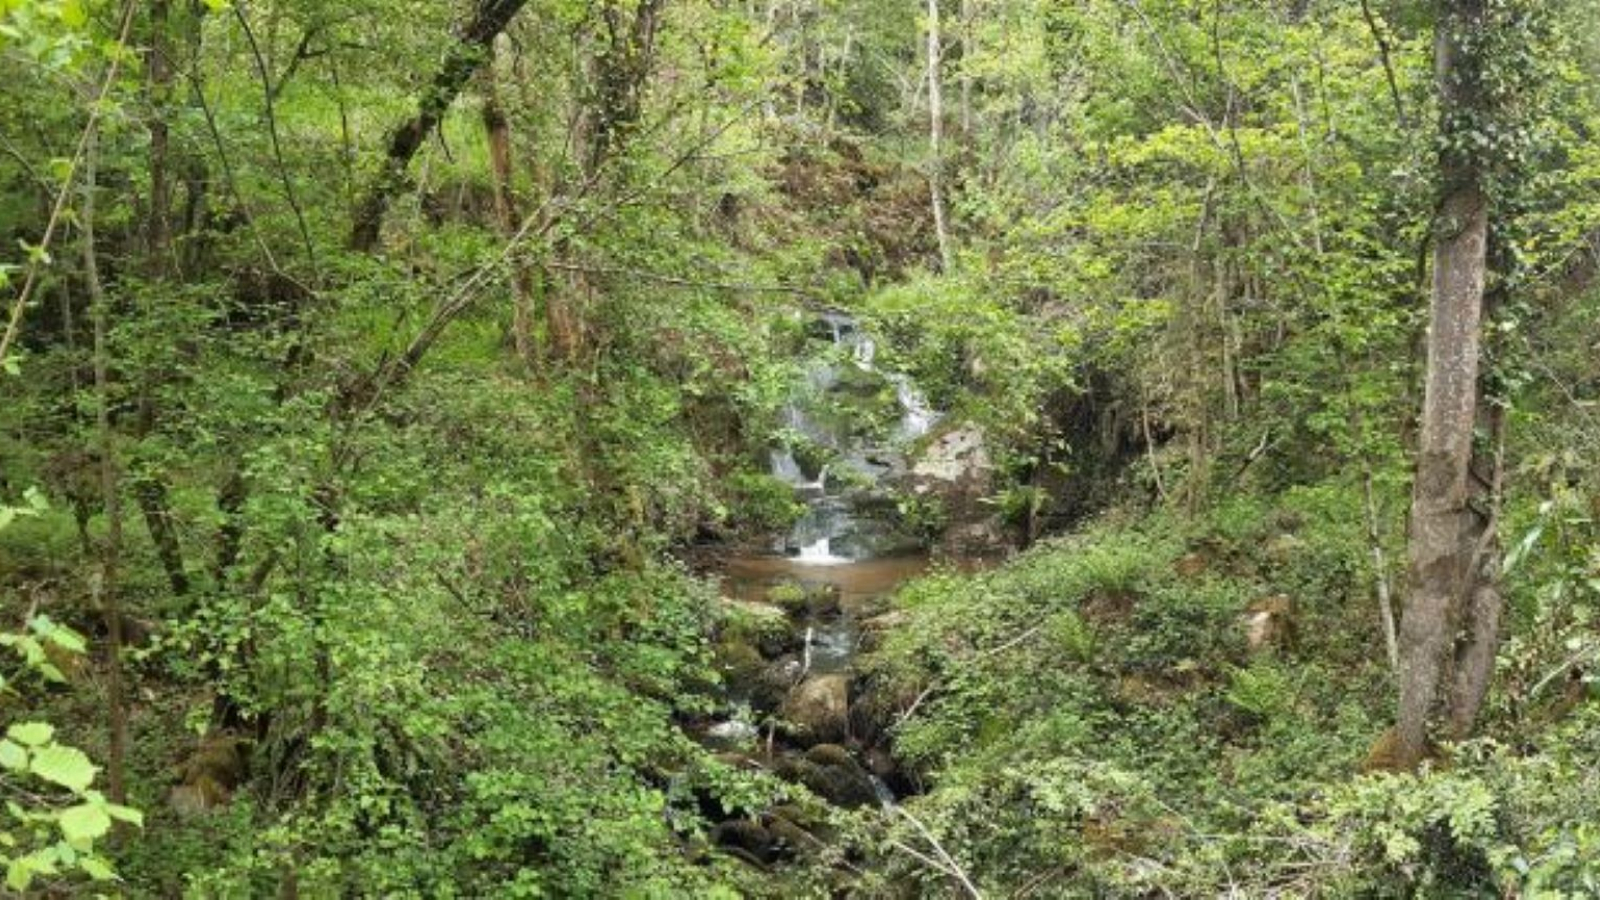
(818, 710)
(733, 733)
(876, 630)
(738, 662)
(822, 599)
(879, 706)
(749, 840)
(830, 772)
(791, 838)
(773, 683)
(760, 625)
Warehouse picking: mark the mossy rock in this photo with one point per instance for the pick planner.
(759, 625)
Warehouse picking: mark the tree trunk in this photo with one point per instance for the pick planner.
(619, 71)
(968, 47)
(936, 136)
(1442, 539)
(505, 204)
(464, 58)
(158, 69)
(110, 491)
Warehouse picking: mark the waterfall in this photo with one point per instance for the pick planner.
(917, 417)
(833, 529)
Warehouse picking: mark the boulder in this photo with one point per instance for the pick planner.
(738, 662)
(956, 473)
(879, 706)
(818, 710)
(875, 631)
(774, 682)
(748, 840)
(955, 463)
(760, 625)
(830, 772)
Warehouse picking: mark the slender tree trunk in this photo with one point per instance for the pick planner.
(1441, 544)
(1380, 568)
(968, 47)
(505, 202)
(110, 492)
(158, 70)
(936, 136)
(464, 58)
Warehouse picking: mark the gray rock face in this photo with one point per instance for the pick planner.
(957, 471)
(957, 457)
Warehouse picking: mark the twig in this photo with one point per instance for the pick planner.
(272, 133)
(1570, 661)
(992, 651)
(1388, 65)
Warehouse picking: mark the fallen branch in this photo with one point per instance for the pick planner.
(946, 863)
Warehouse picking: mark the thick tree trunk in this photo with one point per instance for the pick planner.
(1478, 633)
(461, 62)
(621, 72)
(1443, 542)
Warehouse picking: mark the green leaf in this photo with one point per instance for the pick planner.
(83, 823)
(67, 639)
(66, 766)
(12, 756)
(32, 734)
(97, 868)
(19, 874)
(73, 15)
(125, 814)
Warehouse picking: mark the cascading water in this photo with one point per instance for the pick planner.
(850, 430)
(833, 531)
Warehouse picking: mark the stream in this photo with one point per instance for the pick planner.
(801, 613)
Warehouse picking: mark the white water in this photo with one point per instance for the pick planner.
(919, 417)
(820, 553)
(787, 469)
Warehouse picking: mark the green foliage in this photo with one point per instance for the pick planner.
(53, 815)
(431, 584)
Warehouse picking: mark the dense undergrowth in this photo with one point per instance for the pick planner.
(1092, 720)
(373, 535)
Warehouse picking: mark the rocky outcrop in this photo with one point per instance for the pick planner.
(955, 473)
